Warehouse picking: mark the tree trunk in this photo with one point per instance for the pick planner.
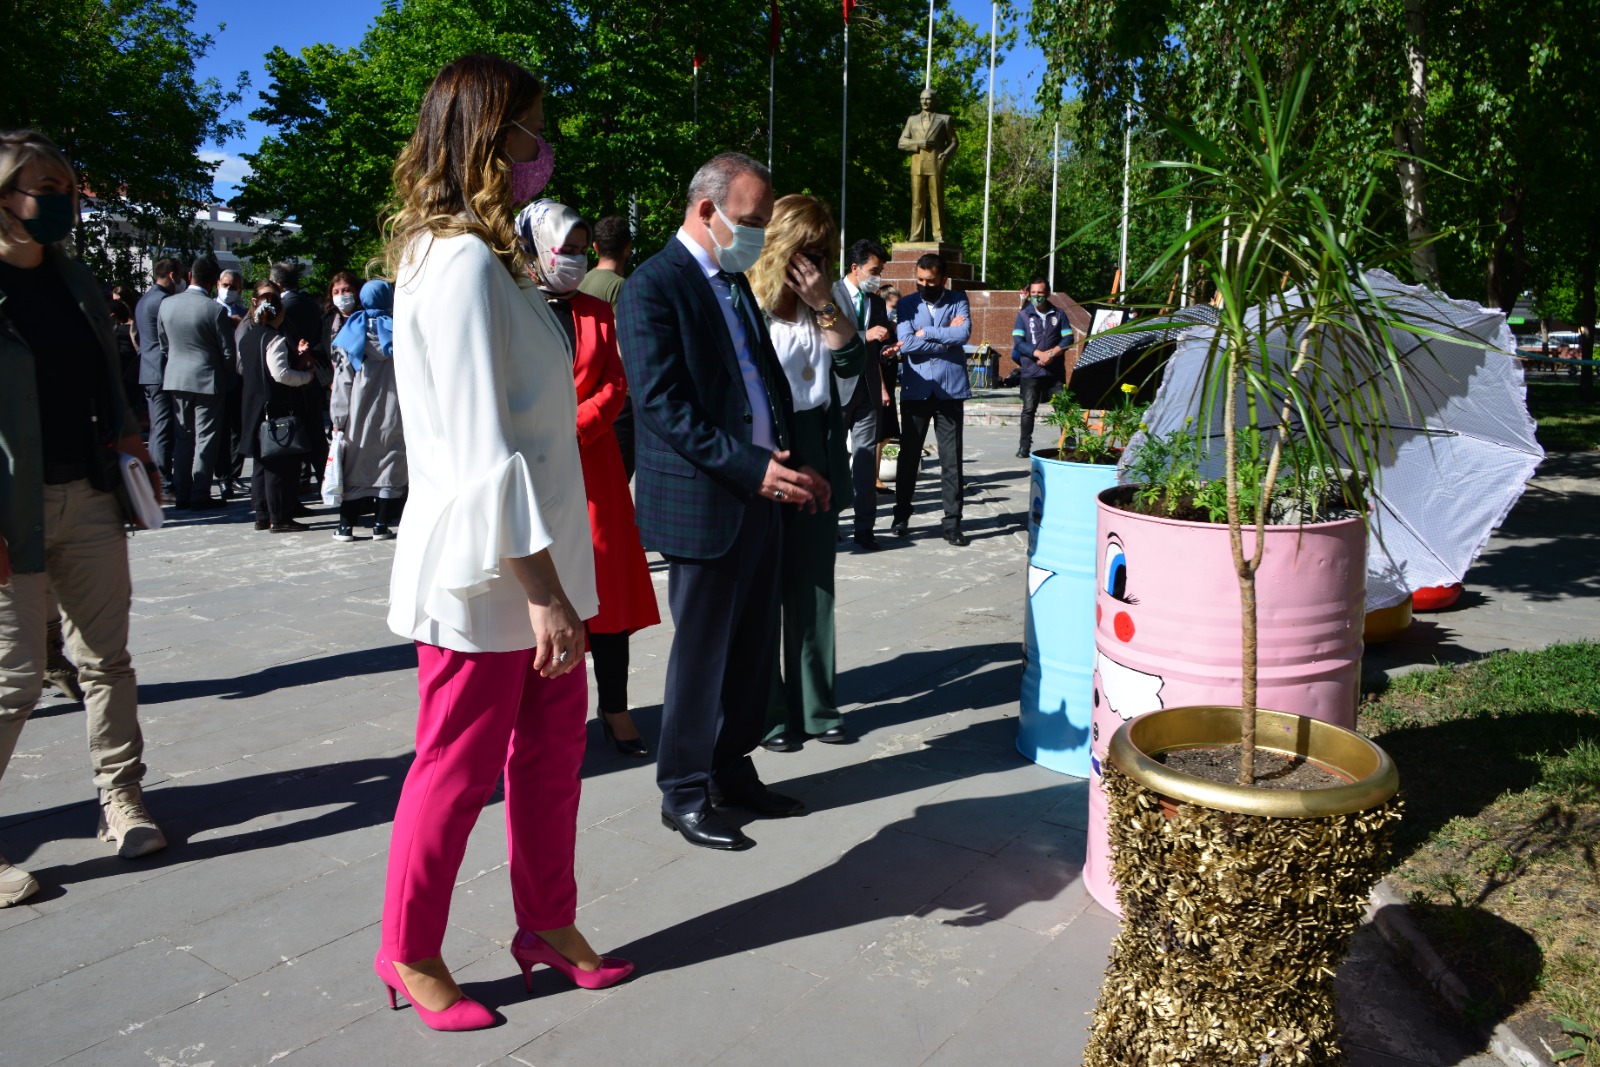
(1409, 141)
(1586, 323)
(1506, 261)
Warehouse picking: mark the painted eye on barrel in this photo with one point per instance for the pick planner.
(1116, 572)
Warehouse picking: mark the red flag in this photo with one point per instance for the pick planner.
(697, 60)
(777, 27)
(848, 6)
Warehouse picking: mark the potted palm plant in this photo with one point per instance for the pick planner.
(1244, 841)
(1053, 721)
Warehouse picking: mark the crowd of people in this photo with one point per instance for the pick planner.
(490, 400)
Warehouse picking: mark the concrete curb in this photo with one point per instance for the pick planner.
(1388, 912)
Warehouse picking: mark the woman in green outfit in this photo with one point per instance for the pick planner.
(815, 341)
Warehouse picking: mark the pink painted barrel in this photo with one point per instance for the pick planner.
(1167, 630)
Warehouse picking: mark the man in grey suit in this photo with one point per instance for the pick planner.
(167, 275)
(865, 396)
(197, 337)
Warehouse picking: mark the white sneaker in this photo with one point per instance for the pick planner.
(16, 884)
(125, 823)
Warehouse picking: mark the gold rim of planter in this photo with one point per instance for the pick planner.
(1371, 773)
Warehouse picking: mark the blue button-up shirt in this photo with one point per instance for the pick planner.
(934, 366)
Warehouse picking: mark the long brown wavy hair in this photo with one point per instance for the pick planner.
(453, 177)
(798, 222)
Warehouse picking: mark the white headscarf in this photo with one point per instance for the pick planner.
(543, 226)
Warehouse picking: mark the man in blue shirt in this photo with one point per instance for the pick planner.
(934, 325)
(1039, 338)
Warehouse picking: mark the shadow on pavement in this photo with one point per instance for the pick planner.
(384, 660)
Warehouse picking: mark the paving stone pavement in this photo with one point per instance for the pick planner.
(927, 911)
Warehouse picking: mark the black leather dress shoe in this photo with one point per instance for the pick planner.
(866, 542)
(901, 528)
(707, 829)
(836, 735)
(759, 800)
(957, 538)
(784, 742)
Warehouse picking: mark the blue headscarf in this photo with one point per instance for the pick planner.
(377, 308)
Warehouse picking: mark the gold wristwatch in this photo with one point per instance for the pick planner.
(827, 315)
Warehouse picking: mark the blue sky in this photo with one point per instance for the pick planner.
(294, 24)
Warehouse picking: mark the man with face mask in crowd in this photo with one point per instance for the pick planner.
(197, 336)
(934, 325)
(1039, 340)
(230, 463)
(167, 276)
(712, 410)
(866, 396)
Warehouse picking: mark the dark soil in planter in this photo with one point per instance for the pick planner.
(1273, 770)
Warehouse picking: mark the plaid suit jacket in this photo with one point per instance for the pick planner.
(697, 469)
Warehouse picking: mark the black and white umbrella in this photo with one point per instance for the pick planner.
(1131, 354)
(1461, 443)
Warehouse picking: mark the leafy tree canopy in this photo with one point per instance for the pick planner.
(112, 82)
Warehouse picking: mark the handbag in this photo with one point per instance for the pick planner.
(141, 497)
(333, 471)
(283, 437)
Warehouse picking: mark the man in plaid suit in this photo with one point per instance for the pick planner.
(712, 408)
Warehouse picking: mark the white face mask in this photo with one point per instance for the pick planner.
(742, 253)
(563, 272)
(224, 294)
(870, 283)
(345, 302)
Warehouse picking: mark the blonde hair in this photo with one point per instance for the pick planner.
(453, 177)
(18, 148)
(798, 222)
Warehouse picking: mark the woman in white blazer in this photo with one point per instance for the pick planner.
(494, 571)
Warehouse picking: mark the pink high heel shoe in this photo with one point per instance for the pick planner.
(464, 1014)
(528, 948)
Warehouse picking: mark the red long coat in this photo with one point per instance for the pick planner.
(627, 595)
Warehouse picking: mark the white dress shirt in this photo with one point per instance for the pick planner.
(484, 374)
(804, 354)
(743, 333)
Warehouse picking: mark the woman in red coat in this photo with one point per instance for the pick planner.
(555, 239)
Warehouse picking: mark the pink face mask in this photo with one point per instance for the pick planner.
(529, 179)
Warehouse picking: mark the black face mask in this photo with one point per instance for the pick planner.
(54, 220)
(931, 293)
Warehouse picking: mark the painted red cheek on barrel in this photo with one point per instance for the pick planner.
(1123, 625)
(1097, 614)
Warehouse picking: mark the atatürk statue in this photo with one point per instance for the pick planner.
(931, 140)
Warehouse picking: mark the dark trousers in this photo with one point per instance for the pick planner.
(946, 417)
(199, 425)
(610, 652)
(230, 462)
(1035, 391)
(623, 428)
(861, 424)
(719, 673)
(275, 488)
(163, 423)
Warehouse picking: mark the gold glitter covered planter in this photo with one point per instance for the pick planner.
(1238, 902)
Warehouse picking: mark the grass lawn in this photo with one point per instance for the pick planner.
(1499, 850)
(1565, 425)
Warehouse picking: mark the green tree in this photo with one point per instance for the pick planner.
(112, 82)
(620, 108)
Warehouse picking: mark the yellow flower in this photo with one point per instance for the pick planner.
(1129, 388)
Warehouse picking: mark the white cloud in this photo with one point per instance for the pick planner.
(231, 171)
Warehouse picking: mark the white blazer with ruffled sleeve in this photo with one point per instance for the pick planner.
(484, 374)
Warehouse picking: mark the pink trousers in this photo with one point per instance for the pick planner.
(481, 713)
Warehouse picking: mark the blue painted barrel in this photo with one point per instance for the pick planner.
(1058, 679)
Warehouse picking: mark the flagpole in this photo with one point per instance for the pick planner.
(772, 97)
(988, 149)
(1127, 175)
(694, 133)
(844, 140)
(927, 77)
(1055, 185)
